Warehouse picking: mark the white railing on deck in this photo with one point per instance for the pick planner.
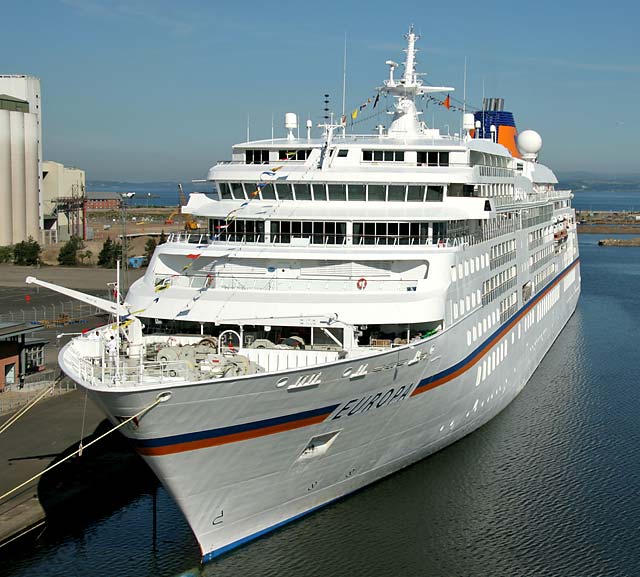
(329, 241)
(125, 371)
(263, 283)
(283, 359)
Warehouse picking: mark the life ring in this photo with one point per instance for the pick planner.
(362, 283)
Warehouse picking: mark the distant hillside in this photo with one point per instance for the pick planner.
(606, 182)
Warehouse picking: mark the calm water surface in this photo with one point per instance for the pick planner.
(549, 487)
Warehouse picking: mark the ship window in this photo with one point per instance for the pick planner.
(284, 191)
(237, 230)
(319, 192)
(457, 189)
(237, 191)
(303, 191)
(369, 232)
(318, 233)
(225, 190)
(256, 156)
(396, 193)
(301, 154)
(357, 192)
(415, 193)
(268, 192)
(434, 158)
(251, 190)
(343, 152)
(337, 192)
(383, 155)
(377, 192)
(434, 193)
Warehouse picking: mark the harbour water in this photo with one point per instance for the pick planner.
(549, 487)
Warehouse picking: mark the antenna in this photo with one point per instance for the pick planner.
(344, 85)
(464, 94)
(248, 127)
(326, 109)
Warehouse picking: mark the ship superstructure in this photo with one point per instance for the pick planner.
(356, 303)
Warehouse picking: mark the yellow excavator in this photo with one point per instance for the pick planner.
(189, 222)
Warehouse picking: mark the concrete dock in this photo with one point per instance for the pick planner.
(31, 445)
(53, 428)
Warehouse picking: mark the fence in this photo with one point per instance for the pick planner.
(62, 313)
(13, 399)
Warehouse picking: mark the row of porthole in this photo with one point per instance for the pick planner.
(469, 266)
(467, 304)
(491, 361)
(483, 326)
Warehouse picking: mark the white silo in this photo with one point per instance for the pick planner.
(31, 176)
(18, 190)
(6, 228)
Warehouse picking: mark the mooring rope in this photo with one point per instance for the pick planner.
(160, 399)
(24, 410)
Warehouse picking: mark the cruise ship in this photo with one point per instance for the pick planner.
(355, 303)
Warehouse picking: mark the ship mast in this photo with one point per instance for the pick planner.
(405, 119)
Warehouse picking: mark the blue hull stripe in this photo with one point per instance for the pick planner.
(235, 429)
(466, 363)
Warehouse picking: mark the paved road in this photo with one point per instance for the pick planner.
(81, 278)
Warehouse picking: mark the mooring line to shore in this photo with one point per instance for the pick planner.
(159, 400)
(23, 411)
(23, 533)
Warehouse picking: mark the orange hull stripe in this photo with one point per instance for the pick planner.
(215, 441)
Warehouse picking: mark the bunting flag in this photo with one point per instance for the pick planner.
(375, 102)
(354, 114)
(447, 102)
(162, 285)
(343, 119)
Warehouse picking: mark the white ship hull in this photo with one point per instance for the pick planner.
(235, 453)
(388, 294)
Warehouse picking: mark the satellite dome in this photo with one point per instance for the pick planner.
(529, 144)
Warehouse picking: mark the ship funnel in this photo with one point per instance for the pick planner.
(493, 114)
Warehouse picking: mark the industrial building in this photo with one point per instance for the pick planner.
(20, 159)
(39, 199)
(104, 200)
(19, 355)
(63, 202)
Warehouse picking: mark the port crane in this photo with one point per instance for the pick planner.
(189, 222)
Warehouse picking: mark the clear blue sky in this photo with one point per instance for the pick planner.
(160, 90)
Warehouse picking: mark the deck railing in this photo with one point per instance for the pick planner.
(249, 282)
(327, 240)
